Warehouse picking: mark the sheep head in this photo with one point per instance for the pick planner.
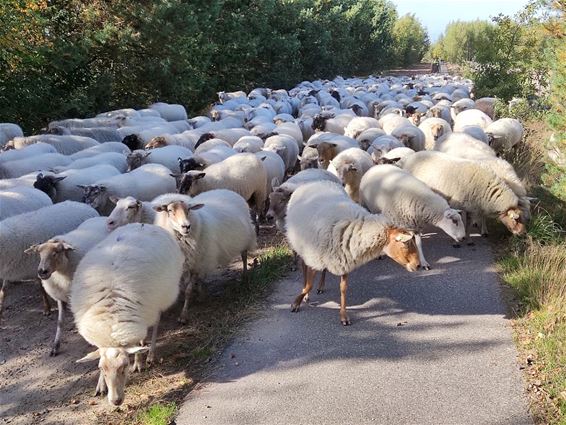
(437, 130)
(326, 152)
(188, 179)
(278, 200)
(401, 248)
(127, 210)
(53, 256)
(133, 142)
(204, 138)
(193, 163)
(514, 220)
(114, 366)
(451, 222)
(47, 184)
(95, 195)
(136, 159)
(178, 215)
(156, 142)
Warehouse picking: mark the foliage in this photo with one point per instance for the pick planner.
(410, 40)
(63, 58)
(158, 414)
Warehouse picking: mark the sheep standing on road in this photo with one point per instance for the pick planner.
(120, 288)
(330, 231)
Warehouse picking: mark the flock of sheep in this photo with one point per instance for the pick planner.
(117, 214)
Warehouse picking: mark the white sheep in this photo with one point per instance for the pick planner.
(476, 132)
(229, 135)
(8, 131)
(331, 232)
(409, 203)
(366, 137)
(58, 259)
(504, 134)
(487, 106)
(329, 145)
(86, 122)
(468, 186)
(286, 147)
(120, 288)
(263, 130)
(250, 144)
(27, 152)
(274, 169)
(115, 159)
(308, 158)
(21, 231)
(212, 228)
(26, 180)
(290, 129)
(67, 185)
(242, 173)
(100, 134)
(167, 156)
(20, 167)
(66, 145)
(395, 155)
(202, 160)
(460, 106)
(332, 123)
(382, 145)
(210, 144)
(411, 136)
(360, 124)
(144, 183)
(471, 117)
(350, 166)
(434, 129)
(390, 122)
(21, 199)
(102, 148)
(170, 111)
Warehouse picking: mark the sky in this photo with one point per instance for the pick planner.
(435, 14)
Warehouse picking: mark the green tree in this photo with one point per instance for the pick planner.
(410, 40)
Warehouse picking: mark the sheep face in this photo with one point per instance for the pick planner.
(187, 181)
(402, 249)
(53, 256)
(326, 153)
(133, 142)
(416, 118)
(95, 196)
(306, 161)
(514, 220)
(47, 184)
(114, 364)
(278, 200)
(204, 138)
(178, 214)
(136, 159)
(319, 122)
(437, 130)
(156, 142)
(127, 210)
(189, 164)
(452, 224)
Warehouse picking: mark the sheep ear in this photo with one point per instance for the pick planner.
(137, 350)
(160, 208)
(67, 246)
(332, 145)
(58, 179)
(102, 188)
(404, 237)
(32, 249)
(314, 145)
(275, 183)
(81, 186)
(138, 204)
(299, 157)
(90, 357)
(199, 176)
(114, 199)
(175, 175)
(195, 206)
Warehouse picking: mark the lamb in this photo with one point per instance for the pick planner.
(359, 124)
(67, 185)
(66, 145)
(8, 131)
(58, 260)
(115, 159)
(22, 199)
(20, 167)
(411, 136)
(409, 203)
(434, 129)
(117, 147)
(170, 111)
(350, 166)
(144, 183)
(21, 231)
(167, 156)
(279, 198)
(202, 160)
(27, 152)
(504, 134)
(250, 144)
(468, 186)
(286, 147)
(471, 117)
(142, 266)
(212, 229)
(243, 173)
(331, 232)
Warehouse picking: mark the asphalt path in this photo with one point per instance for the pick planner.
(430, 347)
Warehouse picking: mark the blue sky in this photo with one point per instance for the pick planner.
(435, 14)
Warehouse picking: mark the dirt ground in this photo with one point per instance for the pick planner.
(36, 388)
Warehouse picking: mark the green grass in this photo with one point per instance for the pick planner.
(158, 414)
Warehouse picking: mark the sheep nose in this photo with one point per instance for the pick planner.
(186, 227)
(117, 402)
(43, 273)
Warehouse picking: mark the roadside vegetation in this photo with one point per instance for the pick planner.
(524, 57)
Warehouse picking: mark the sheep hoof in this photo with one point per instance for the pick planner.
(457, 245)
(427, 267)
(182, 320)
(100, 390)
(345, 322)
(294, 308)
(320, 291)
(471, 244)
(47, 312)
(54, 351)
(136, 367)
(484, 235)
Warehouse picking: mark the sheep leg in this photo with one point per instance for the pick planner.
(484, 232)
(100, 386)
(419, 242)
(46, 303)
(60, 316)
(343, 288)
(321, 282)
(255, 220)
(244, 266)
(5, 284)
(468, 229)
(138, 364)
(309, 278)
(183, 318)
(304, 268)
(151, 355)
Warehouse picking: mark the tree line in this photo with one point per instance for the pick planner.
(61, 58)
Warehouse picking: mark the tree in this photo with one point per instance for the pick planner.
(410, 40)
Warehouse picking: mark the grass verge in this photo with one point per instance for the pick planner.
(189, 351)
(535, 267)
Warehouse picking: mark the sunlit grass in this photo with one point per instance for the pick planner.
(158, 414)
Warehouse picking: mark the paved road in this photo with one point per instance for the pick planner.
(424, 348)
